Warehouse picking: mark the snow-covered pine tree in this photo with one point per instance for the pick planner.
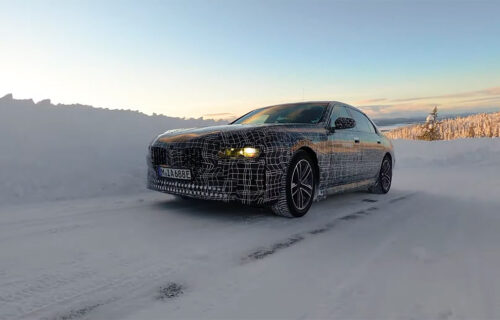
(431, 130)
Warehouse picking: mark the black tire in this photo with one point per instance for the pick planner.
(384, 180)
(299, 186)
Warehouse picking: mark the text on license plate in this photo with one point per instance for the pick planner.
(184, 174)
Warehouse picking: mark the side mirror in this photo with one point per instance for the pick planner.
(344, 123)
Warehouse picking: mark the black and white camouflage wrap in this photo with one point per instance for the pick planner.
(340, 163)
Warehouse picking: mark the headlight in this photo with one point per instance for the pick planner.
(247, 152)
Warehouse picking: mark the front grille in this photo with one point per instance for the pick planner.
(158, 155)
(176, 156)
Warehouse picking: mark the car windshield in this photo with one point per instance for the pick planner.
(307, 113)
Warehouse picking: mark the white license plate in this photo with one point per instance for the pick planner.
(183, 174)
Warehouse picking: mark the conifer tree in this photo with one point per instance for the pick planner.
(431, 127)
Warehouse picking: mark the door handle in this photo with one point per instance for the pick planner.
(356, 140)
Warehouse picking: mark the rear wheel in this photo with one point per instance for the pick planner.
(298, 194)
(384, 181)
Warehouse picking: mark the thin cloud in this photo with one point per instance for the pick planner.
(396, 110)
(371, 100)
(484, 92)
(482, 99)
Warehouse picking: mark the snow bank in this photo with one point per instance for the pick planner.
(469, 152)
(50, 152)
(463, 168)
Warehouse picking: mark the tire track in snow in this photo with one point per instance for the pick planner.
(78, 313)
(101, 293)
(264, 252)
(400, 198)
(169, 291)
(344, 294)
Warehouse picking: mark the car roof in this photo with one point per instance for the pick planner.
(303, 102)
(329, 102)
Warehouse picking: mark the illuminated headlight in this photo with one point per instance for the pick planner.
(247, 152)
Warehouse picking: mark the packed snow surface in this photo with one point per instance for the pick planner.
(430, 249)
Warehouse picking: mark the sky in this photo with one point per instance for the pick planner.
(220, 59)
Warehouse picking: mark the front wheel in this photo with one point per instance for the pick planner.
(298, 195)
(384, 181)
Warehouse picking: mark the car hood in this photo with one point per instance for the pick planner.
(183, 135)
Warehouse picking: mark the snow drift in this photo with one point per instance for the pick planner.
(50, 152)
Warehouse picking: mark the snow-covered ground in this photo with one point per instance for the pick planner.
(430, 249)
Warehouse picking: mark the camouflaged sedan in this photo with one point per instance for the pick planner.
(284, 156)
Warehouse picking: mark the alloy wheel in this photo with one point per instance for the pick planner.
(386, 174)
(302, 184)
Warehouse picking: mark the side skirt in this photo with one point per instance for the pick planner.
(351, 186)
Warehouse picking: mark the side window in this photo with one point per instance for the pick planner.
(372, 126)
(338, 112)
(362, 122)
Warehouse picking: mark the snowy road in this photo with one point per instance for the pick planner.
(429, 249)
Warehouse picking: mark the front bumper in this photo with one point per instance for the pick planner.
(190, 189)
(241, 180)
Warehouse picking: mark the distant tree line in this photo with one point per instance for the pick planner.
(473, 126)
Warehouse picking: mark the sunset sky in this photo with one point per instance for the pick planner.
(219, 59)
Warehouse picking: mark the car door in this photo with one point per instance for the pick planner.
(368, 144)
(343, 154)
